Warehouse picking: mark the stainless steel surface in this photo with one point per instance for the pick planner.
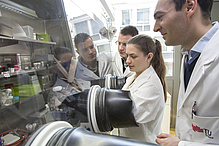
(51, 20)
(7, 4)
(5, 30)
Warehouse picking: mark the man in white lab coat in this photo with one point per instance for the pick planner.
(188, 23)
(120, 67)
(90, 66)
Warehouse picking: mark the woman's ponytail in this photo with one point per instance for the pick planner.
(159, 66)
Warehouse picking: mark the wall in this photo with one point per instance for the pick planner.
(215, 11)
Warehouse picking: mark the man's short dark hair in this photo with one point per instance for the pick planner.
(59, 50)
(80, 37)
(129, 30)
(205, 5)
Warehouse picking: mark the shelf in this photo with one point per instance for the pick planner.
(28, 40)
(22, 72)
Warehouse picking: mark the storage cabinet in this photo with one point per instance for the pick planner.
(30, 83)
(28, 69)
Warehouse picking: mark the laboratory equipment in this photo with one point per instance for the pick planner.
(62, 133)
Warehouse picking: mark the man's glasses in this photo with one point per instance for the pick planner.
(119, 43)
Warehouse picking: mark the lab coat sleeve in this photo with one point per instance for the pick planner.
(105, 64)
(106, 56)
(148, 102)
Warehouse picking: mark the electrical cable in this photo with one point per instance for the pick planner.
(15, 132)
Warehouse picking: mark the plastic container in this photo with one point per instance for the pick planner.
(28, 31)
(60, 115)
(9, 99)
(26, 90)
(15, 99)
(43, 37)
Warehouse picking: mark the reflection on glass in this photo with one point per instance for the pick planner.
(81, 27)
(125, 17)
(143, 16)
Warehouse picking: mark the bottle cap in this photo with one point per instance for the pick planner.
(16, 97)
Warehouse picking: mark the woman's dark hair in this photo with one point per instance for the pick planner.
(205, 5)
(147, 45)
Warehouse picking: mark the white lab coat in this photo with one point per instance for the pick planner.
(84, 76)
(203, 88)
(148, 98)
(118, 67)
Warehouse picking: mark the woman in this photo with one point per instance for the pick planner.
(147, 87)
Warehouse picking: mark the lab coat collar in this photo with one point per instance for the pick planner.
(89, 67)
(86, 73)
(202, 42)
(118, 64)
(144, 76)
(207, 56)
